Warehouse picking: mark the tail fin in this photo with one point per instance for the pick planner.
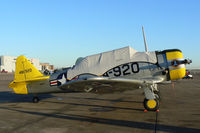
(25, 72)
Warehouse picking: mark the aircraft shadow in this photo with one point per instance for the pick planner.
(115, 122)
(106, 108)
(9, 97)
(110, 100)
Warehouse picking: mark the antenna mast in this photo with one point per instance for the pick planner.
(145, 43)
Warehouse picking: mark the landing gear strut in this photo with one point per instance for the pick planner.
(157, 95)
(152, 97)
(36, 99)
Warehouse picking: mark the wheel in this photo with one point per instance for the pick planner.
(151, 105)
(36, 99)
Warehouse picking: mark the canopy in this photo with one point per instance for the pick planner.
(98, 64)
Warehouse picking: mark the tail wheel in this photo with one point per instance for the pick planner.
(36, 99)
(151, 105)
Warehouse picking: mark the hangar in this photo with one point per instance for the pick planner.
(7, 63)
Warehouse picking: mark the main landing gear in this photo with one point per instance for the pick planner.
(151, 105)
(151, 101)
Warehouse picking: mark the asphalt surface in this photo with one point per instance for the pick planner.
(108, 113)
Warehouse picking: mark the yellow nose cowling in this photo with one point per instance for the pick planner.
(176, 70)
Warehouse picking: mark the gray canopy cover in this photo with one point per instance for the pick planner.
(98, 64)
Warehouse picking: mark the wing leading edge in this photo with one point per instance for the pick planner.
(108, 85)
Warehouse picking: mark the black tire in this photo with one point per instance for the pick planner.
(151, 105)
(36, 99)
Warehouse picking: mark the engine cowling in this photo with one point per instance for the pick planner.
(176, 64)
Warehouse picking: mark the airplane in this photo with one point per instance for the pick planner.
(117, 70)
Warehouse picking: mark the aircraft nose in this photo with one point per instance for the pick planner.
(176, 62)
(187, 61)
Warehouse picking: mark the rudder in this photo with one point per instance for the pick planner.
(25, 73)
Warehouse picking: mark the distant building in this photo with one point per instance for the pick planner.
(46, 66)
(7, 63)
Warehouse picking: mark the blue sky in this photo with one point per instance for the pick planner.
(60, 31)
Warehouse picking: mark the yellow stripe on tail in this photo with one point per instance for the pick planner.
(25, 73)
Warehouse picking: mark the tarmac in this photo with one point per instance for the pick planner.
(108, 113)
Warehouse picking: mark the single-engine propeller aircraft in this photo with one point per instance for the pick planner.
(107, 72)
